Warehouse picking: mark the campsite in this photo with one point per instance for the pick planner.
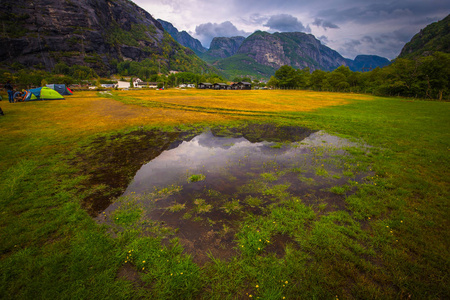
(212, 194)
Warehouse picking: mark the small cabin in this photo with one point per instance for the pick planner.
(242, 85)
(221, 86)
(205, 85)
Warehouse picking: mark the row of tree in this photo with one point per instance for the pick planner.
(62, 73)
(427, 77)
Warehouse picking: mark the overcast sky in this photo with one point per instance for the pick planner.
(351, 27)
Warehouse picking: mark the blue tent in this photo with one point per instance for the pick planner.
(60, 88)
(42, 93)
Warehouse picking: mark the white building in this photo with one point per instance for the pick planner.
(123, 84)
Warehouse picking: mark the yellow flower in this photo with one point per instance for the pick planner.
(286, 282)
(257, 286)
(143, 261)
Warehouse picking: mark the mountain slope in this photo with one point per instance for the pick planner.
(434, 37)
(93, 33)
(183, 38)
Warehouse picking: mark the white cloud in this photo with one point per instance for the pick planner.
(206, 32)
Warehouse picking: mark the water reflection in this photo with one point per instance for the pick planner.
(242, 173)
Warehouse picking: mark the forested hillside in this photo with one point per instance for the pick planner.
(434, 37)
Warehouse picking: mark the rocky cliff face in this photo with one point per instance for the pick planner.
(223, 47)
(297, 49)
(183, 38)
(94, 33)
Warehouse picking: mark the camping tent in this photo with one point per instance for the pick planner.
(60, 88)
(42, 93)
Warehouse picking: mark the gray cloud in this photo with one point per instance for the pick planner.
(206, 32)
(324, 24)
(285, 23)
(362, 13)
(367, 39)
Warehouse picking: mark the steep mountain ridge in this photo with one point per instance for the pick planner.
(183, 38)
(93, 33)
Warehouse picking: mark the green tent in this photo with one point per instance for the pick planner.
(42, 93)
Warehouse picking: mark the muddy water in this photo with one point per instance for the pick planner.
(202, 187)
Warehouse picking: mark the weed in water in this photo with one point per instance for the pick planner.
(196, 178)
(348, 174)
(339, 190)
(321, 171)
(201, 206)
(232, 206)
(253, 201)
(269, 176)
(177, 207)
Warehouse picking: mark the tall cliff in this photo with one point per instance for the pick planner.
(297, 49)
(223, 47)
(93, 33)
(183, 38)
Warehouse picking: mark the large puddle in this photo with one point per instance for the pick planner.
(201, 187)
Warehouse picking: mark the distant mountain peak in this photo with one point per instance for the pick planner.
(364, 63)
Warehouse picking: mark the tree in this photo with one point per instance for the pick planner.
(434, 70)
(273, 82)
(338, 81)
(317, 80)
(287, 77)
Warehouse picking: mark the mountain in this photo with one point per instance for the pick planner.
(183, 38)
(262, 53)
(223, 47)
(93, 33)
(364, 63)
(434, 37)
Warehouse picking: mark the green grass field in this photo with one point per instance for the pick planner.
(390, 241)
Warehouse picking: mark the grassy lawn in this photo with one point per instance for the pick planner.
(390, 240)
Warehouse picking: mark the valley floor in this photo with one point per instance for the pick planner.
(384, 236)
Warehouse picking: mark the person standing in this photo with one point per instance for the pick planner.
(10, 90)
